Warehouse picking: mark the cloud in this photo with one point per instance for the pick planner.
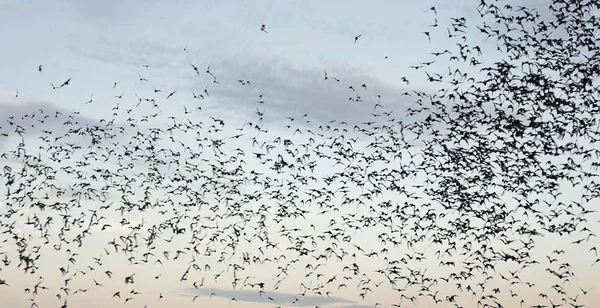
(255, 297)
(288, 90)
(107, 12)
(11, 7)
(294, 91)
(285, 88)
(43, 118)
(40, 114)
(131, 53)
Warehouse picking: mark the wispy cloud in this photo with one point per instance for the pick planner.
(285, 88)
(35, 116)
(255, 297)
(11, 7)
(290, 90)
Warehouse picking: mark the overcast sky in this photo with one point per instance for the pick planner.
(105, 46)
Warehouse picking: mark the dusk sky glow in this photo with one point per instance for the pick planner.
(118, 55)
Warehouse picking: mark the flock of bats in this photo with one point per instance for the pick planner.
(470, 176)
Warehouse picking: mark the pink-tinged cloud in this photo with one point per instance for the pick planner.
(11, 7)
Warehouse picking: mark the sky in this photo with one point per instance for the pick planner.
(105, 46)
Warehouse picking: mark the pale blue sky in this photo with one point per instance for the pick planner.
(98, 43)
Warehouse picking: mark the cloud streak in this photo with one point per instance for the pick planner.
(11, 7)
(255, 297)
(285, 88)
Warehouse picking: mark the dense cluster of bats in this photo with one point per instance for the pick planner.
(475, 172)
